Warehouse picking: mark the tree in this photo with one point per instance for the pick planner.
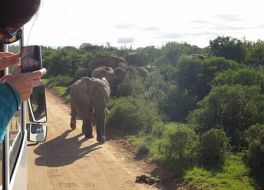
(232, 108)
(195, 75)
(228, 47)
(213, 147)
(245, 76)
(255, 153)
(255, 54)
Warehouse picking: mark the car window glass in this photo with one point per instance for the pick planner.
(15, 139)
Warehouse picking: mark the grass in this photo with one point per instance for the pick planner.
(45, 81)
(234, 176)
(142, 144)
(61, 90)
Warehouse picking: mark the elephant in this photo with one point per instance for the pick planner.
(88, 96)
(107, 61)
(113, 76)
(138, 59)
(139, 71)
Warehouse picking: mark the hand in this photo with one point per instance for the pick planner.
(25, 82)
(7, 59)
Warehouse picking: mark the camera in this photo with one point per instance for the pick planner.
(31, 59)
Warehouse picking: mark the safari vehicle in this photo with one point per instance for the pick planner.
(13, 150)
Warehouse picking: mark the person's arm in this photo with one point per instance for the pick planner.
(10, 102)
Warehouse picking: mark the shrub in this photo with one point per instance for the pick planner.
(130, 86)
(131, 115)
(142, 151)
(60, 80)
(232, 108)
(177, 148)
(213, 147)
(177, 104)
(255, 153)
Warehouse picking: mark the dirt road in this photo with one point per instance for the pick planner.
(67, 161)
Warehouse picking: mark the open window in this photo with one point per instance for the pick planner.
(37, 130)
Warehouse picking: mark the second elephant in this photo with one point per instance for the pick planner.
(88, 96)
(113, 76)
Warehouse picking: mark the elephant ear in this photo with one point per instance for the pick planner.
(102, 71)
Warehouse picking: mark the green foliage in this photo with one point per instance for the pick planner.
(155, 87)
(171, 52)
(233, 176)
(233, 108)
(255, 153)
(255, 55)
(152, 88)
(131, 86)
(131, 115)
(61, 62)
(13, 48)
(244, 76)
(193, 78)
(60, 80)
(176, 148)
(213, 148)
(177, 104)
(195, 75)
(229, 48)
(187, 76)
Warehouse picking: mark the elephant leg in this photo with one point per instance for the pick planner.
(93, 118)
(73, 117)
(87, 125)
(100, 127)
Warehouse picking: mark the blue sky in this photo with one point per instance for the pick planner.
(141, 23)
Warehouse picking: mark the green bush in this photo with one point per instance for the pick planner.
(131, 115)
(142, 150)
(213, 148)
(177, 148)
(177, 104)
(232, 108)
(130, 86)
(255, 153)
(60, 80)
(244, 76)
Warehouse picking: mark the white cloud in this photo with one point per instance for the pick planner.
(144, 22)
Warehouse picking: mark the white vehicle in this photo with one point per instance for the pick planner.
(13, 151)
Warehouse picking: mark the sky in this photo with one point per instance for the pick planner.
(141, 23)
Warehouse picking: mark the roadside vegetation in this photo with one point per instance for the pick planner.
(199, 111)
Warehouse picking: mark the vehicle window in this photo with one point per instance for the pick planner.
(15, 139)
(15, 127)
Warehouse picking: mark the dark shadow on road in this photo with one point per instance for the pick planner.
(62, 151)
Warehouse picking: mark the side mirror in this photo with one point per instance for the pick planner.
(37, 110)
(37, 105)
(36, 132)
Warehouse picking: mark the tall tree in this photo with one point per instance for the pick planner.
(228, 47)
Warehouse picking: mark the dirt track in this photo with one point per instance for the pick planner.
(68, 161)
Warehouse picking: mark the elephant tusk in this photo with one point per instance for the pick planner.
(107, 111)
